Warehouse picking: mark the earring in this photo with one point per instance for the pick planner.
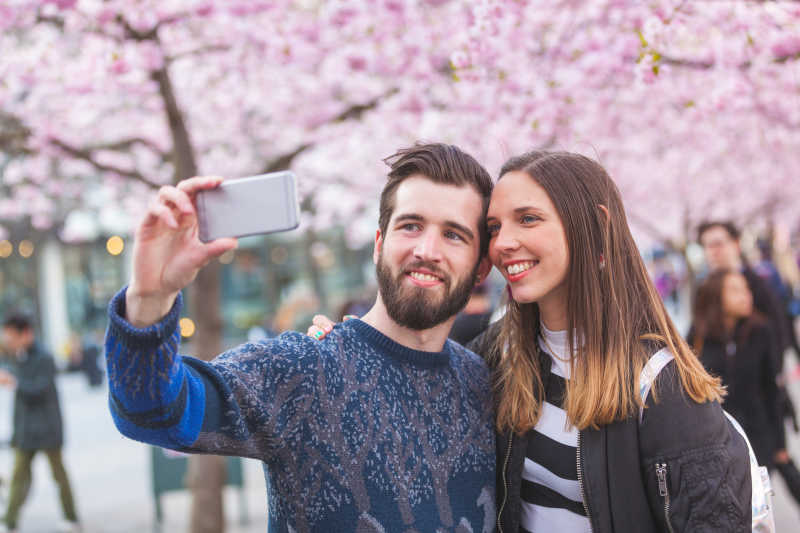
(602, 262)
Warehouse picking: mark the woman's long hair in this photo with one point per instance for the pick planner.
(708, 316)
(613, 309)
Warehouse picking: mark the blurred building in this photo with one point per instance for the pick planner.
(67, 286)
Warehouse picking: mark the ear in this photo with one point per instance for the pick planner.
(484, 267)
(376, 250)
(604, 209)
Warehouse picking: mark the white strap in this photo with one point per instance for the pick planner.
(649, 373)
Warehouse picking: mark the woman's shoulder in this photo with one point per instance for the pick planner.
(672, 421)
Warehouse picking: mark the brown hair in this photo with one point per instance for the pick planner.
(441, 163)
(614, 309)
(708, 316)
(727, 225)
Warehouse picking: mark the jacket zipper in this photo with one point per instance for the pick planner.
(580, 482)
(661, 474)
(505, 481)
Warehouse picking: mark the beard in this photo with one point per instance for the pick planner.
(418, 308)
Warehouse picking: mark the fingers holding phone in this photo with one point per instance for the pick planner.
(167, 250)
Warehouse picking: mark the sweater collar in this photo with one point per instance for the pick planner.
(397, 351)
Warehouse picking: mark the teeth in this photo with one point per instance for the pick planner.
(423, 277)
(516, 268)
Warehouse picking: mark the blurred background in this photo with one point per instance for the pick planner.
(692, 106)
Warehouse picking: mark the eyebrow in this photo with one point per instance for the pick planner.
(521, 209)
(449, 223)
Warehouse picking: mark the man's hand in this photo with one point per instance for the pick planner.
(7, 379)
(167, 252)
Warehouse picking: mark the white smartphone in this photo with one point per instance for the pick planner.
(248, 206)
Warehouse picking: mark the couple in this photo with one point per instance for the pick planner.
(385, 425)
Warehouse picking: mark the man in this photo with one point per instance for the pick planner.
(720, 242)
(383, 426)
(37, 419)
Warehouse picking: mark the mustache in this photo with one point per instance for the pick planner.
(425, 265)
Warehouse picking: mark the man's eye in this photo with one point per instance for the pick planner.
(454, 236)
(410, 227)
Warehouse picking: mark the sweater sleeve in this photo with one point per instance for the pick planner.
(245, 402)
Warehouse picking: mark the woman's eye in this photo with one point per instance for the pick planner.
(529, 219)
(492, 229)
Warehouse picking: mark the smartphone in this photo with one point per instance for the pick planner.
(248, 206)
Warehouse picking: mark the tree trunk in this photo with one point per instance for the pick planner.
(207, 473)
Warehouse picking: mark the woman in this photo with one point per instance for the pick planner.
(582, 321)
(735, 344)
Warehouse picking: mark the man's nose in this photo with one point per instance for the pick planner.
(428, 247)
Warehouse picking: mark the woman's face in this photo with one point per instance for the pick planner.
(527, 241)
(737, 300)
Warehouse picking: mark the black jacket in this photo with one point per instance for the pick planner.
(769, 304)
(707, 473)
(747, 365)
(37, 415)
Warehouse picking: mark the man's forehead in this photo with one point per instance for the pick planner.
(716, 235)
(420, 190)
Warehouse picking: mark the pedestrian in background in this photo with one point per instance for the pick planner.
(735, 344)
(475, 317)
(720, 241)
(37, 419)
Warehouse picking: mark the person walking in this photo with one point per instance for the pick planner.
(386, 426)
(722, 248)
(735, 344)
(37, 420)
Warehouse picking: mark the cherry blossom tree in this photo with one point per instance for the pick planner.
(693, 106)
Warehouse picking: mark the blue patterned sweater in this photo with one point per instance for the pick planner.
(356, 432)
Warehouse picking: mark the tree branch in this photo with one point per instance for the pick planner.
(87, 155)
(197, 51)
(353, 112)
(705, 65)
(357, 110)
(284, 161)
(126, 144)
(13, 134)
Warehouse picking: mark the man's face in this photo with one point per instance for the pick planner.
(722, 250)
(15, 340)
(428, 260)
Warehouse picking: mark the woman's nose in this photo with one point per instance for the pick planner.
(505, 240)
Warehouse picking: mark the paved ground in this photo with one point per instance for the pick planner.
(112, 476)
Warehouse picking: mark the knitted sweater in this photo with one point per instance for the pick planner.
(356, 432)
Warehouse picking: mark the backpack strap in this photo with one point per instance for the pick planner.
(650, 372)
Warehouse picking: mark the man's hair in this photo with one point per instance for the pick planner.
(18, 321)
(727, 225)
(441, 163)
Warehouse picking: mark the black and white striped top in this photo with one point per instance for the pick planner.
(551, 496)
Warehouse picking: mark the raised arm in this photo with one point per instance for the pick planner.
(241, 403)
(167, 252)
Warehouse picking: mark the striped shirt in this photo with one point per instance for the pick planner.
(551, 495)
